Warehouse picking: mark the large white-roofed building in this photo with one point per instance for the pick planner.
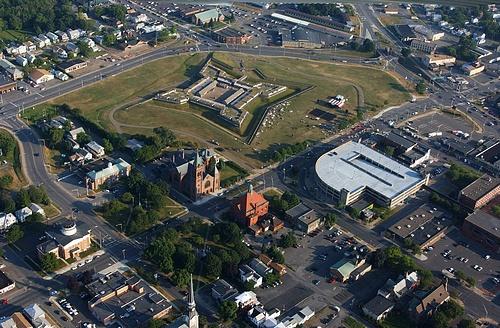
(353, 170)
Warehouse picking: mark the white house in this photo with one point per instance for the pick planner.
(62, 36)
(96, 149)
(35, 208)
(45, 39)
(39, 75)
(36, 315)
(247, 274)
(23, 213)
(39, 42)
(6, 220)
(61, 76)
(60, 52)
(30, 46)
(246, 299)
(75, 132)
(298, 318)
(31, 58)
(73, 34)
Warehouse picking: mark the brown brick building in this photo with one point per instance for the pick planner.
(480, 192)
(484, 229)
(67, 241)
(250, 207)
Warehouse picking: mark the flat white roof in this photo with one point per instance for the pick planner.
(353, 166)
(290, 19)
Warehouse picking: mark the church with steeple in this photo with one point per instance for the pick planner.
(194, 173)
(190, 318)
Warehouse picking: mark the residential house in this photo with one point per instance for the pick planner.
(60, 52)
(249, 275)
(30, 46)
(304, 218)
(223, 291)
(298, 319)
(36, 316)
(262, 318)
(75, 132)
(80, 156)
(425, 304)
(73, 34)
(38, 42)
(116, 169)
(23, 213)
(378, 308)
(20, 320)
(45, 40)
(6, 220)
(62, 36)
(21, 61)
(6, 322)
(259, 267)
(246, 300)
(35, 208)
(53, 37)
(72, 47)
(96, 149)
(399, 288)
(31, 58)
(67, 241)
(10, 69)
(39, 75)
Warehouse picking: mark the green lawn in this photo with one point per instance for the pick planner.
(350, 322)
(12, 35)
(379, 90)
(13, 163)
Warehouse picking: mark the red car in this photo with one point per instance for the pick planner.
(5, 301)
(331, 280)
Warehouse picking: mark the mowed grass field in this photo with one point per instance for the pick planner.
(117, 94)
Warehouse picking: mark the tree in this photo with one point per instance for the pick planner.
(109, 39)
(83, 138)
(156, 323)
(85, 50)
(228, 310)
(389, 151)
(35, 218)
(213, 265)
(5, 181)
(181, 278)
(38, 195)
(288, 240)
(466, 323)
(330, 220)
(368, 46)
(7, 204)
(108, 146)
(15, 233)
(452, 309)
(55, 136)
(425, 278)
(127, 197)
(271, 278)
(439, 320)
(23, 198)
(228, 232)
(49, 262)
(420, 87)
(406, 52)
(275, 254)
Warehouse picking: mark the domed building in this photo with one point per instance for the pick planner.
(67, 240)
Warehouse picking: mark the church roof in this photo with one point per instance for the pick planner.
(250, 200)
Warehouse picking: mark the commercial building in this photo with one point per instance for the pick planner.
(353, 170)
(191, 174)
(96, 149)
(6, 284)
(423, 46)
(378, 308)
(128, 299)
(484, 229)
(304, 218)
(312, 38)
(231, 36)
(405, 33)
(39, 75)
(72, 65)
(343, 24)
(67, 240)
(406, 150)
(344, 268)
(7, 84)
(207, 16)
(479, 192)
(114, 170)
(424, 226)
(471, 69)
(438, 60)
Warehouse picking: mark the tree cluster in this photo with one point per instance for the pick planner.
(161, 138)
(366, 46)
(446, 313)
(461, 176)
(393, 258)
(420, 87)
(282, 204)
(288, 240)
(288, 150)
(463, 50)
(275, 254)
(323, 9)
(49, 262)
(38, 16)
(23, 198)
(116, 12)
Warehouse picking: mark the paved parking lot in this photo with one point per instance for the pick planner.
(441, 122)
(475, 254)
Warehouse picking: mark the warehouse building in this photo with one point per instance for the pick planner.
(483, 228)
(312, 38)
(353, 170)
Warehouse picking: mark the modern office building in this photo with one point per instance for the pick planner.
(483, 228)
(353, 170)
(479, 192)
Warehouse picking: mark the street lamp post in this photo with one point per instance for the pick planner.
(123, 252)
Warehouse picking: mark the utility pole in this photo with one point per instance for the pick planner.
(123, 252)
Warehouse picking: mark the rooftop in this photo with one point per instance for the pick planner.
(69, 230)
(411, 223)
(405, 31)
(400, 140)
(486, 222)
(4, 280)
(298, 210)
(5, 81)
(71, 63)
(480, 187)
(345, 267)
(229, 32)
(353, 166)
(378, 305)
